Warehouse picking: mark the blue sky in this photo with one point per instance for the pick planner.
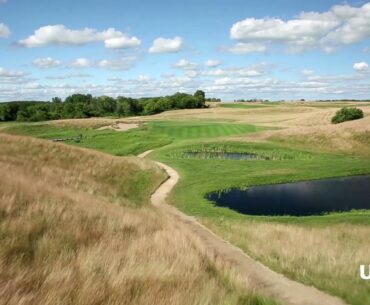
(231, 49)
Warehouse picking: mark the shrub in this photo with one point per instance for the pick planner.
(347, 114)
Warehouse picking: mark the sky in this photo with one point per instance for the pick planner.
(231, 49)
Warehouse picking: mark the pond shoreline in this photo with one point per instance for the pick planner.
(303, 198)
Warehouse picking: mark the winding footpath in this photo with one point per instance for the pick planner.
(264, 280)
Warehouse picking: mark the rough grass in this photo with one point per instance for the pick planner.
(349, 137)
(325, 257)
(68, 234)
(125, 180)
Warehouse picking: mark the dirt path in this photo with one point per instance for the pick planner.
(258, 276)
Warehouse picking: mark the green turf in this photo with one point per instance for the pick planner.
(149, 136)
(201, 176)
(195, 130)
(113, 142)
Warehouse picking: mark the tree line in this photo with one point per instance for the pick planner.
(85, 106)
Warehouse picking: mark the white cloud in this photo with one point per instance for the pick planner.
(185, 64)
(81, 63)
(4, 73)
(47, 62)
(232, 85)
(4, 31)
(166, 45)
(237, 72)
(341, 25)
(361, 66)
(307, 72)
(216, 72)
(123, 63)
(355, 25)
(3, 1)
(68, 76)
(123, 42)
(212, 63)
(144, 78)
(61, 35)
(241, 72)
(244, 48)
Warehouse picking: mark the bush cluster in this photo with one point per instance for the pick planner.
(347, 114)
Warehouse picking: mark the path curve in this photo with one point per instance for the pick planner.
(263, 279)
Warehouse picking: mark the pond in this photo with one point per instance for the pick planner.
(298, 199)
(224, 155)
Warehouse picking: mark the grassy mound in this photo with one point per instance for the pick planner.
(69, 234)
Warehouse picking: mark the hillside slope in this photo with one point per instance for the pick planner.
(75, 229)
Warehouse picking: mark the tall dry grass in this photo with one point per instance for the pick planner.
(350, 137)
(69, 234)
(326, 257)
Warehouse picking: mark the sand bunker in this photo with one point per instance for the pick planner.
(120, 126)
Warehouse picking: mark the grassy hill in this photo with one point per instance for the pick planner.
(76, 228)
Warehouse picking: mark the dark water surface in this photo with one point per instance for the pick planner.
(298, 199)
(223, 155)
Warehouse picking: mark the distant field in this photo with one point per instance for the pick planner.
(243, 106)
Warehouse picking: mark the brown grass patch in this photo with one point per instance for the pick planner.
(63, 240)
(325, 257)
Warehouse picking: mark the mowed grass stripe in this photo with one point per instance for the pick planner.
(192, 130)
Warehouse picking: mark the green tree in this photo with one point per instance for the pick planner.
(127, 106)
(56, 99)
(201, 96)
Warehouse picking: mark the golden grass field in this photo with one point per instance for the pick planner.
(327, 256)
(73, 230)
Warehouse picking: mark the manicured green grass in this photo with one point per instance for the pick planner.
(202, 176)
(149, 136)
(196, 130)
(113, 142)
